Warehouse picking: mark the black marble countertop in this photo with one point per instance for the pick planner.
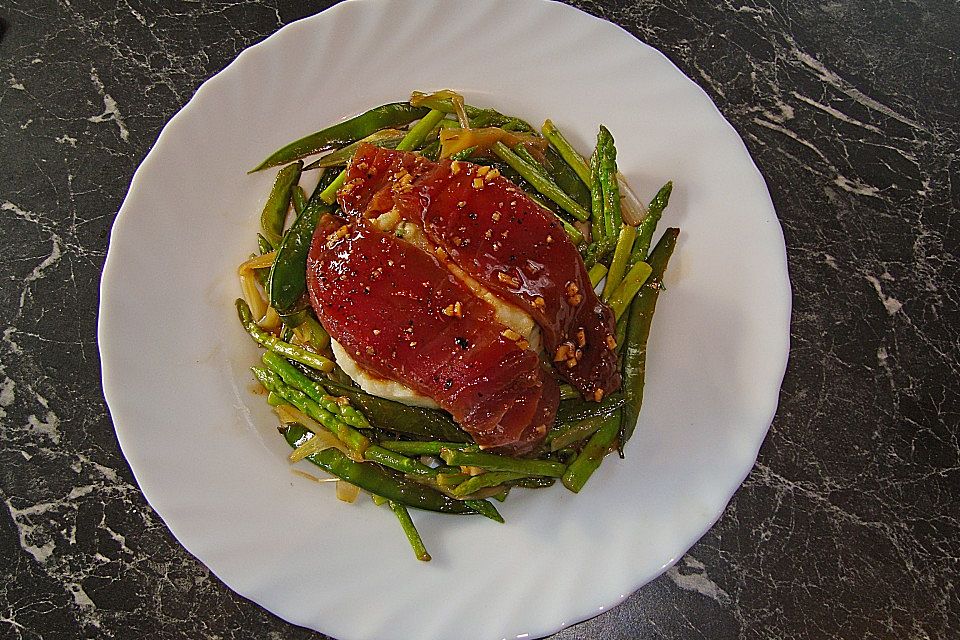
(848, 526)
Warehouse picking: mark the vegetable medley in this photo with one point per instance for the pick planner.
(448, 459)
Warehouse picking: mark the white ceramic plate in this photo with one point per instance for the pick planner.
(205, 449)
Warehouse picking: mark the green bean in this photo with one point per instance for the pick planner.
(274, 212)
(494, 462)
(486, 509)
(343, 133)
(372, 478)
(420, 448)
(572, 432)
(525, 155)
(413, 536)
(541, 183)
(533, 482)
(484, 480)
(638, 330)
(621, 335)
(578, 409)
(566, 178)
(623, 296)
(612, 215)
(596, 274)
(275, 399)
(647, 226)
(288, 275)
(387, 139)
(600, 443)
(357, 442)
(566, 151)
(618, 265)
(279, 346)
(417, 133)
(294, 378)
(299, 199)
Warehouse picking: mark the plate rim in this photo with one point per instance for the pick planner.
(110, 384)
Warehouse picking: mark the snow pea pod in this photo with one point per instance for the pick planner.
(274, 212)
(566, 178)
(638, 330)
(288, 275)
(370, 477)
(343, 133)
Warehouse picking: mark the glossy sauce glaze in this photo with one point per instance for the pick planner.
(488, 227)
(403, 316)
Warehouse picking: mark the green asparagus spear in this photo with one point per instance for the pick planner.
(416, 134)
(413, 536)
(540, 182)
(638, 330)
(394, 416)
(484, 480)
(372, 478)
(621, 255)
(598, 227)
(556, 171)
(623, 296)
(645, 231)
(596, 274)
(294, 378)
(274, 212)
(580, 470)
(279, 346)
(612, 215)
(347, 434)
(567, 152)
(421, 448)
(494, 462)
(330, 193)
(598, 250)
(343, 133)
(399, 462)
